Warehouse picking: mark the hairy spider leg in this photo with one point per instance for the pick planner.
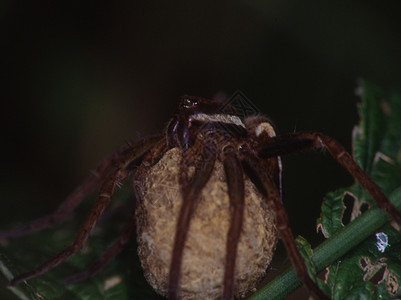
(190, 190)
(268, 187)
(151, 158)
(124, 238)
(295, 142)
(235, 184)
(76, 197)
(128, 229)
(104, 198)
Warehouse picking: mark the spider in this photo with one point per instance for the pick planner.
(207, 157)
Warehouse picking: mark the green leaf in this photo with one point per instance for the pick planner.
(332, 212)
(371, 265)
(377, 149)
(306, 252)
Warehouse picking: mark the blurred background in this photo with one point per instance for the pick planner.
(80, 79)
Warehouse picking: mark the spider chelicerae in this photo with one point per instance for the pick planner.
(208, 208)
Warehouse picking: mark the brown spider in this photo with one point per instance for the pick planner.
(207, 152)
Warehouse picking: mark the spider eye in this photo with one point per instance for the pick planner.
(189, 103)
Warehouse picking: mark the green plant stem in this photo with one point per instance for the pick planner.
(332, 249)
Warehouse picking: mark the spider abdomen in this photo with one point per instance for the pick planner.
(204, 255)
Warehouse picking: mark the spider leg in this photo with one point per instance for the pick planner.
(235, 183)
(129, 227)
(103, 200)
(269, 188)
(295, 142)
(124, 238)
(75, 198)
(190, 189)
(152, 157)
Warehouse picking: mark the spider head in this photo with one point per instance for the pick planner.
(195, 115)
(190, 105)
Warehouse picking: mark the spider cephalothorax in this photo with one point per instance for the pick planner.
(209, 202)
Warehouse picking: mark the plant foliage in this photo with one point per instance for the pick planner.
(363, 259)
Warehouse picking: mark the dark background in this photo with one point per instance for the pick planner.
(82, 78)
